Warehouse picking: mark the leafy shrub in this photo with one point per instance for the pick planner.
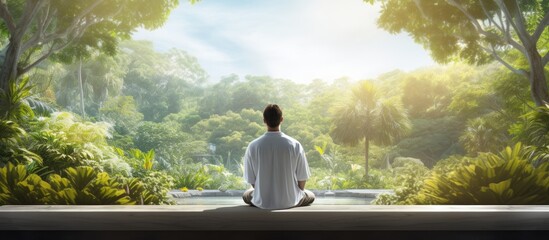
(140, 162)
(168, 141)
(11, 149)
(408, 180)
(59, 155)
(379, 179)
(63, 140)
(507, 178)
(317, 175)
(222, 178)
(402, 161)
(81, 185)
(158, 184)
(208, 176)
(13, 102)
(534, 132)
(194, 179)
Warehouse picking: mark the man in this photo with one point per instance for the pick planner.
(276, 167)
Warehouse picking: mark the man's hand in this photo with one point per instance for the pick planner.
(301, 184)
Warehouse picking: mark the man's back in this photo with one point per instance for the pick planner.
(274, 163)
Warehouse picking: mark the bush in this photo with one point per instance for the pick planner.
(408, 180)
(81, 185)
(402, 161)
(193, 179)
(157, 185)
(64, 141)
(507, 178)
(209, 176)
(11, 149)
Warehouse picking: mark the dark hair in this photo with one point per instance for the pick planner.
(272, 115)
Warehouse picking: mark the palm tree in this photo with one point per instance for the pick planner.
(482, 135)
(368, 117)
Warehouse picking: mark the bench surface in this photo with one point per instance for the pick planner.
(315, 217)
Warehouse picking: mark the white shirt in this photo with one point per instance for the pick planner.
(274, 163)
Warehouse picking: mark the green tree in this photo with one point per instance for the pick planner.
(161, 83)
(36, 29)
(478, 31)
(122, 112)
(483, 134)
(92, 81)
(369, 118)
(423, 96)
(231, 133)
(431, 140)
(171, 145)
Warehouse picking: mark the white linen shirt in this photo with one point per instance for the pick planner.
(274, 163)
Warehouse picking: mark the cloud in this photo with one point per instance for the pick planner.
(295, 39)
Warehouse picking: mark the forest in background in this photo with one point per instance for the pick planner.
(199, 129)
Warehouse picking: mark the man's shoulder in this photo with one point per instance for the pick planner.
(255, 141)
(291, 139)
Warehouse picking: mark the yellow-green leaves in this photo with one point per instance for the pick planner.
(146, 159)
(507, 178)
(321, 150)
(82, 185)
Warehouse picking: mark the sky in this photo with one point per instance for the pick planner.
(301, 40)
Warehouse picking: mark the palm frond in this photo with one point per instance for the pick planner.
(13, 105)
(391, 123)
(39, 107)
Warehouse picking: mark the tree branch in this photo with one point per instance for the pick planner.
(8, 18)
(481, 30)
(44, 38)
(519, 29)
(521, 20)
(541, 27)
(473, 21)
(545, 59)
(43, 22)
(494, 53)
(30, 11)
(490, 18)
(44, 18)
(44, 57)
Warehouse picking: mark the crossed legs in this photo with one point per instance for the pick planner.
(308, 198)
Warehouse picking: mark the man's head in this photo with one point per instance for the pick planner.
(272, 116)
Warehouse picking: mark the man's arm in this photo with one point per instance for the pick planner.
(300, 184)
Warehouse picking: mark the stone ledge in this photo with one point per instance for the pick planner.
(316, 217)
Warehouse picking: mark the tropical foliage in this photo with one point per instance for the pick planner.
(368, 118)
(107, 120)
(506, 178)
(81, 185)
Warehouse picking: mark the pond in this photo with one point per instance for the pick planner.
(234, 197)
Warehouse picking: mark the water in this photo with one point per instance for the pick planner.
(237, 200)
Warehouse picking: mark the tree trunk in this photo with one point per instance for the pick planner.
(81, 88)
(366, 153)
(538, 81)
(9, 66)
